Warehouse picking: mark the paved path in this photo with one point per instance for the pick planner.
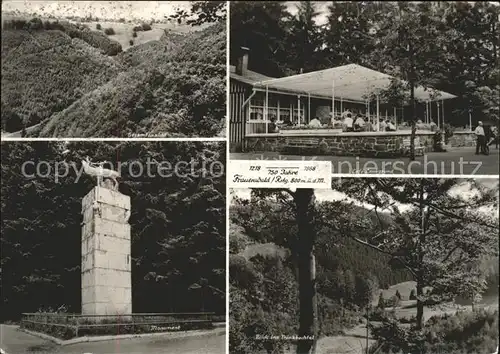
(13, 341)
(18, 134)
(458, 161)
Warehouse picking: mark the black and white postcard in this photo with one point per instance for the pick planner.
(100, 69)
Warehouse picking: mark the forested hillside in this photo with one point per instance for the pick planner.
(45, 69)
(77, 82)
(175, 85)
(177, 222)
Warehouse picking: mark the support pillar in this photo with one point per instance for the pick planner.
(333, 99)
(266, 110)
(309, 107)
(378, 114)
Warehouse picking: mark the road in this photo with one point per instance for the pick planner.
(13, 341)
(458, 161)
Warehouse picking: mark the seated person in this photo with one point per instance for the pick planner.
(315, 123)
(433, 126)
(287, 122)
(335, 123)
(359, 123)
(382, 126)
(349, 124)
(391, 127)
(348, 121)
(272, 127)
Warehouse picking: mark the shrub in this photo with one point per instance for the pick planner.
(381, 302)
(413, 295)
(142, 27)
(411, 319)
(12, 122)
(109, 31)
(465, 332)
(131, 42)
(394, 301)
(437, 141)
(98, 27)
(53, 26)
(379, 315)
(33, 119)
(134, 34)
(15, 24)
(398, 294)
(35, 24)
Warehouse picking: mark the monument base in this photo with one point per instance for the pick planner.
(106, 262)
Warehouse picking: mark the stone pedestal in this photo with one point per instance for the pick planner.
(106, 262)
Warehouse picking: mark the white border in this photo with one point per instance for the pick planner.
(227, 138)
(115, 139)
(416, 176)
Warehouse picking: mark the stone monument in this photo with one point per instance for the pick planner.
(106, 263)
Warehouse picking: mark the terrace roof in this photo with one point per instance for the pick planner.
(352, 82)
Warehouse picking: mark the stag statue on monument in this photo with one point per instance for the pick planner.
(102, 174)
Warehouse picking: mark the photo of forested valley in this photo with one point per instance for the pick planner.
(375, 265)
(113, 69)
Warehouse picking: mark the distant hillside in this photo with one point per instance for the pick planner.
(175, 86)
(78, 82)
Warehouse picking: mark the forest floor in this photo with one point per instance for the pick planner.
(13, 341)
(457, 161)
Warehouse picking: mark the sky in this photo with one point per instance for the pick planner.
(332, 195)
(103, 9)
(321, 7)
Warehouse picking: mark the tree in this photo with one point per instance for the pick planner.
(12, 122)
(395, 301)
(381, 301)
(302, 247)
(398, 294)
(408, 44)
(304, 202)
(201, 12)
(347, 34)
(261, 27)
(439, 240)
(350, 286)
(365, 288)
(472, 30)
(304, 39)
